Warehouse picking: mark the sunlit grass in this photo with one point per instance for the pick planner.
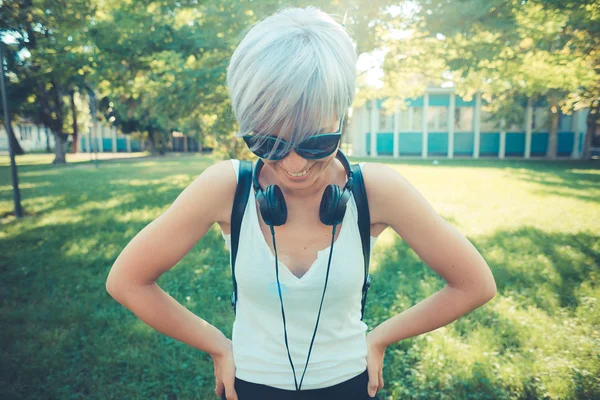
(535, 223)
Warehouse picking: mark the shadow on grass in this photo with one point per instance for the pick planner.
(572, 183)
(63, 336)
(540, 275)
(66, 337)
(153, 185)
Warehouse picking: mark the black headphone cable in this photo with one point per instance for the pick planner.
(298, 387)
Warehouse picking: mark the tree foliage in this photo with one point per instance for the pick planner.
(50, 59)
(510, 49)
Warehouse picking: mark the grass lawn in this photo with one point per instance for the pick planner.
(537, 224)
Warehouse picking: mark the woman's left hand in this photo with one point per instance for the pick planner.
(375, 355)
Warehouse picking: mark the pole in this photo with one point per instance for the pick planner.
(13, 166)
(93, 112)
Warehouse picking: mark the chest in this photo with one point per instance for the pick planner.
(300, 240)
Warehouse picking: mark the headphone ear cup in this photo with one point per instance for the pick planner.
(333, 205)
(273, 208)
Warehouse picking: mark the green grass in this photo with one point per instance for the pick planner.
(536, 224)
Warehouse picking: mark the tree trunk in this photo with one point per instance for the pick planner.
(60, 139)
(162, 144)
(14, 142)
(47, 140)
(157, 141)
(152, 142)
(553, 133)
(74, 148)
(592, 123)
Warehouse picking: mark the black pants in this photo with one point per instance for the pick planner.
(352, 389)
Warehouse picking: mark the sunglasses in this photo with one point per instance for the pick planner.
(312, 148)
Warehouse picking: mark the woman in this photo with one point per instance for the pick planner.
(298, 332)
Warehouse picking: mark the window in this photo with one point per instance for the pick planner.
(565, 122)
(386, 121)
(25, 132)
(488, 124)
(417, 119)
(404, 120)
(437, 119)
(463, 119)
(540, 119)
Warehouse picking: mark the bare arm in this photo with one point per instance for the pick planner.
(161, 245)
(469, 282)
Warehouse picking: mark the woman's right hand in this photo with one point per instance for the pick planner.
(224, 367)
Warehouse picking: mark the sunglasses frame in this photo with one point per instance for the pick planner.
(338, 134)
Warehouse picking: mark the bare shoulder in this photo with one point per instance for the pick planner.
(382, 184)
(376, 175)
(215, 187)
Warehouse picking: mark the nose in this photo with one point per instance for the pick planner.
(294, 163)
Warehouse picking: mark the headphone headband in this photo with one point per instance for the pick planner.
(340, 156)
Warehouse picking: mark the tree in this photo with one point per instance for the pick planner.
(162, 66)
(52, 58)
(510, 48)
(16, 98)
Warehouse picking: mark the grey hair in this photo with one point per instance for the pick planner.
(295, 71)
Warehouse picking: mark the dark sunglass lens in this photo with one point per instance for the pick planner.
(264, 147)
(318, 146)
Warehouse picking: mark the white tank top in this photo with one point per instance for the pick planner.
(339, 351)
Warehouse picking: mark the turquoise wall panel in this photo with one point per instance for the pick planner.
(93, 142)
(416, 102)
(385, 144)
(459, 102)
(489, 143)
(380, 102)
(136, 145)
(434, 100)
(566, 141)
(437, 143)
(439, 100)
(107, 144)
(539, 143)
(410, 143)
(463, 143)
(122, 144)
(515, 143)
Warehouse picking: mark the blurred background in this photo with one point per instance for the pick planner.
(447, 78)
(490, 108)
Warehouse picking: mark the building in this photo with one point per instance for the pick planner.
(38, 138)
(442, 124)
(31, 137)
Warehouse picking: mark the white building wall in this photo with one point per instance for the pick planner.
(31, 137)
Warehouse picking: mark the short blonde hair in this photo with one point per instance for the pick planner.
(294, 70)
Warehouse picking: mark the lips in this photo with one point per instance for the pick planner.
(300, 173)
(299, 176)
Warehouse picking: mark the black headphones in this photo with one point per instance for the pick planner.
(274, 213)
(333, 203)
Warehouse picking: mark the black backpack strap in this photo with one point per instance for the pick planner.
(237, 214)
(364, 226)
